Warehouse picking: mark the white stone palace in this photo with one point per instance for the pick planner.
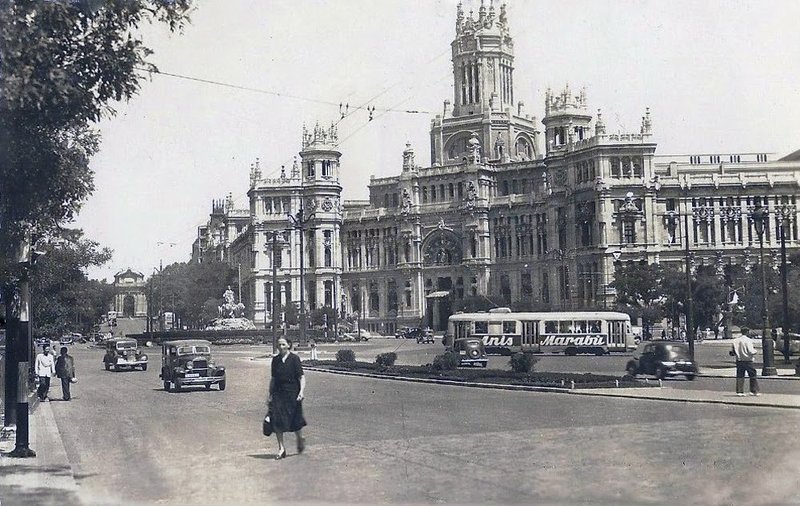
(525, 212)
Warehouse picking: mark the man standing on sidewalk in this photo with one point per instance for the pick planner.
(45, 368)
(744, 351)
(65, 369)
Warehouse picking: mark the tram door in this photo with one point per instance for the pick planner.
(616, 335)
(530, 336)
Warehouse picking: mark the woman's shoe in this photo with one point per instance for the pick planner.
(301, 444)
(281, 455)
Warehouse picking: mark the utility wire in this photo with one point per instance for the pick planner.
(266, 92)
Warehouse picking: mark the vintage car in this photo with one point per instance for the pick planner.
(425, 335)
(66, 339)
(662, 359)
(189, 362)
(470, 351)
(123, 353)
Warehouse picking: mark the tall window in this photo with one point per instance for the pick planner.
(328, 293)
(327, 243)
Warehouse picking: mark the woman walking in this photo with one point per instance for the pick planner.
(286, 389)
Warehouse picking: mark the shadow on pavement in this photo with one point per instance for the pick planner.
(27, 489)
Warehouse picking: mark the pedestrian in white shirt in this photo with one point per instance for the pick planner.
(744, 351)
(45, 369)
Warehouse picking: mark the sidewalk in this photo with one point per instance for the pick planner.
(784, 373)
(46, 479)
(697, 396)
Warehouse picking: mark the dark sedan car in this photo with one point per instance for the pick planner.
(470, 351)
(662, 359)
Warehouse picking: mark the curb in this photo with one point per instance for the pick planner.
(583, 391)
(761, 404)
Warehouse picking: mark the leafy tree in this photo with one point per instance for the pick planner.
(192, 290)
(639, 291)
(62, 65)
(64, 299)
(316, 316)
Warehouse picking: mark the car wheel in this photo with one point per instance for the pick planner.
(208, 386)
(166, 386)
(222, 385)
(690, 377)
(485, 365)
(661, 372)
(144, 367)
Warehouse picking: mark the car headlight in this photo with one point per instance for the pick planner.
(189, 366)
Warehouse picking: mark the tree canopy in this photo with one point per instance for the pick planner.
(64, 298)
(62, 66)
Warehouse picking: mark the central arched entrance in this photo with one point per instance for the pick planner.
(128, 306)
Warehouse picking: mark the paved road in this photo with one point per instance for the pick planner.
(374, 441)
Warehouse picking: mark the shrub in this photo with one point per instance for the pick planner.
(386, 359)
(447, 361)
(345, 355)
(522, 362)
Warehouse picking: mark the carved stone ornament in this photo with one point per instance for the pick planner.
(471, 196)
(405, 205)
(327, 205)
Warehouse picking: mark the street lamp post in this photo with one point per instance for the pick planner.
(760, 217)
(785, 213)
(688, 265)
(274, 248)
(299, 222)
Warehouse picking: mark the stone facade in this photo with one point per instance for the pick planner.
(498, 215)
(130, 297)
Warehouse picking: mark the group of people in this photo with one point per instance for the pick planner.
(47, 367)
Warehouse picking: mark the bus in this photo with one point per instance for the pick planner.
(571, 332)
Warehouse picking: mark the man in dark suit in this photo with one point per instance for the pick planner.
(65, 369)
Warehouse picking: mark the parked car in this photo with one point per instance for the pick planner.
(189, 362)
(41, 342)
(794, 344)
(425, 336)
(662, 359)
(123, 352)
(361, 335)
(66, 340)
(470, 352)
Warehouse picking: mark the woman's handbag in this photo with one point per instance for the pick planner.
(266, 425)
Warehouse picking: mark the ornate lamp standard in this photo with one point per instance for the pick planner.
(274, 249)
(299, 222)
(786, 214)
(760, 217)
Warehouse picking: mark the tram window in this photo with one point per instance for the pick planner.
(594, 326)
(550, 327)
(566, 327)
(481, 327)
(580, 327)
(509, 327)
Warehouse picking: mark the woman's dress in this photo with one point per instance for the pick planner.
(287, 411)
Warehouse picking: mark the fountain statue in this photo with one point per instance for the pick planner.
(230, 315)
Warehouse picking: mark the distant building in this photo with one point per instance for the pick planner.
(130, 297)
(507, 211)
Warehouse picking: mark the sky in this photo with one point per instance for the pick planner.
(718, 77)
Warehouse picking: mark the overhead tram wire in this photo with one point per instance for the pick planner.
(262, 91)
